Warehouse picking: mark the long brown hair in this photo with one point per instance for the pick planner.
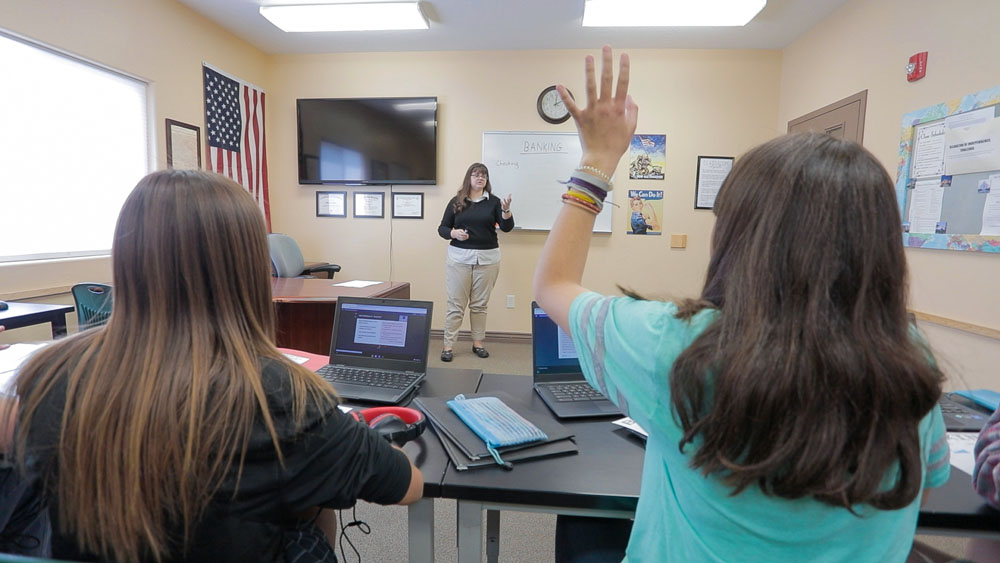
(160, 402)
(461, 198)
(809, 383)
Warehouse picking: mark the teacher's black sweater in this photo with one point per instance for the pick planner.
(480, 219)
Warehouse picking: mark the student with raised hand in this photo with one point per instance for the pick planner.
(177, 431)
(792, 412)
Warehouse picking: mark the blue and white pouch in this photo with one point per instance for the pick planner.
(495, 423)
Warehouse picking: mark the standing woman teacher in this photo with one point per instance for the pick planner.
(473, 262)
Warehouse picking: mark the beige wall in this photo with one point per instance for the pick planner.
(866, 45)
(706, 102)
(161, 41)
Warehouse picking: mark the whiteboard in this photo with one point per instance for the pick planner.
(529, 166)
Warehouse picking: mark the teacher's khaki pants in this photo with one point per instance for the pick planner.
(468, 285)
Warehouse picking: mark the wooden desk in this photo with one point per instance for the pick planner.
(20, 315)
(305, 306)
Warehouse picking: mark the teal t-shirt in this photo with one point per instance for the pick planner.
(627, 348)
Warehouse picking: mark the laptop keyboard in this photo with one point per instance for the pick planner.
(958, 417)
(569, 392)
(366, 377)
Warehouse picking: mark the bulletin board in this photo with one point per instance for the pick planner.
(529, 166)
(948, 180)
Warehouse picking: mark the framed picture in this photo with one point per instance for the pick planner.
(407, 205)
(712, 171)
(331, 204)
(369, 204)
(183, 146)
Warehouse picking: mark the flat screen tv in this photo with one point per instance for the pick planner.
(367, 141)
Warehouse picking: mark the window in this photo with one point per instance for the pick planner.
(74, 140)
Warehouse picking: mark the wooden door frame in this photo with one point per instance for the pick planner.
(861, 96)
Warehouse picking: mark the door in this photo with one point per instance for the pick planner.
(844, 119)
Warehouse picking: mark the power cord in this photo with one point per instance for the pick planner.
(359, 524)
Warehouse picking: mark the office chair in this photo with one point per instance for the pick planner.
(287, 261)
(93, 304)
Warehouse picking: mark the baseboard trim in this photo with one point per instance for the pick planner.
(492, 336)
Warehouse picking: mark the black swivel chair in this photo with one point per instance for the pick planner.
(287, 261)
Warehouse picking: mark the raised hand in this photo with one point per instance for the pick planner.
(607, 123)
(505, 203)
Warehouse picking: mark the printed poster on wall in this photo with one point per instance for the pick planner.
(647, 157)
(645, 212)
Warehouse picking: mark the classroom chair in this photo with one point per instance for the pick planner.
(287, 261)
(93, 304)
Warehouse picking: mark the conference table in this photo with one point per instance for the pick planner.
(305, 307)
(603, 480)
(20, 315)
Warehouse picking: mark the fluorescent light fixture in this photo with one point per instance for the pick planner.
(347, 16)
(670, 13)
(415, 106)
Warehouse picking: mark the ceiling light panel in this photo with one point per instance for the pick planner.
(346, 16)
(670, 13)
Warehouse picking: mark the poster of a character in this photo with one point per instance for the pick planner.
(645, 207)
(647, 157)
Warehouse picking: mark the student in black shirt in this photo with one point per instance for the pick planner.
(178, 432)
(470, 222)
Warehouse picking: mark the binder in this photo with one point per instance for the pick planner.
(466, 450)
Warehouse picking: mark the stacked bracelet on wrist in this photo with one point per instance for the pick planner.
(586, 191)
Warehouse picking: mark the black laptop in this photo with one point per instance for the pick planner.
(960, 415)
(378, 352)
(558, 379)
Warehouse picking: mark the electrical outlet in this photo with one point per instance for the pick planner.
(510, 301)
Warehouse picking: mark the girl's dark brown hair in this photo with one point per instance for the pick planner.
(160, 402)
(810, 382)
(461, 198)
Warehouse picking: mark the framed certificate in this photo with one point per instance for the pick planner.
(407, 205)
(369, 204)
(331, 204)
(183, 146)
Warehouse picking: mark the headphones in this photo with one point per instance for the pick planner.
(398, 425)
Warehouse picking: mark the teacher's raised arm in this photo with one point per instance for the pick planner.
(605, 126)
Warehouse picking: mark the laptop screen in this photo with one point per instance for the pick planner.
(553, 354)
(384, 333)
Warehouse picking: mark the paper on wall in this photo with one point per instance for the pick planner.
(974, 148)
(928, 150)
(925, 205)
(991, 209)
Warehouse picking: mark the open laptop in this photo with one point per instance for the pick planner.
(378, 351)
(558, 379)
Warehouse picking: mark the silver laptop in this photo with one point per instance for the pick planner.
(558, 379)
(378, 352)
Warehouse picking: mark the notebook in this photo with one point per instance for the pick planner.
(558, 379)
(378, 352)
(467, 450)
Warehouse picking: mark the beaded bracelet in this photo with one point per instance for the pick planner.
(595, 170)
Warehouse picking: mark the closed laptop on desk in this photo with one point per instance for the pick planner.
(378, 351)
(558, 379)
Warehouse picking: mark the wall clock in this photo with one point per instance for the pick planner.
(551, 107)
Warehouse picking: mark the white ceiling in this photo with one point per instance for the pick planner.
(473, 25)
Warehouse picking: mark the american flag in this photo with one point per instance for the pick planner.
(234, 120)
(648, 143)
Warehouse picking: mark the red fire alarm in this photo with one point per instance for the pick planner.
(917, 67)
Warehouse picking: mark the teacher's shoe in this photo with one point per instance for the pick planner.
(447, 355)
(481, 352)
